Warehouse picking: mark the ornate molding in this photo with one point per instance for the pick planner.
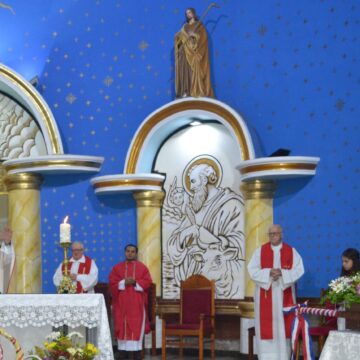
(112, 184)
(149, 198)
(241, 308)
(276, 168)
(259, 189)
(23, 181)
(54, 164)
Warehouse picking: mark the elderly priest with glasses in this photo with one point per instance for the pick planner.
(83, 270)
(274, 267)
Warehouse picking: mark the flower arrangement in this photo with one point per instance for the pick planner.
(344, 290)
(65, 347)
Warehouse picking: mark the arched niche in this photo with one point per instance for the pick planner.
(27, 125)
(168, 119)
(167, 143)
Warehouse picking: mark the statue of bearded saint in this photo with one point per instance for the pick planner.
(213, 218)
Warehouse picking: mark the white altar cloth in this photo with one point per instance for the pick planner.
(342, 345)
(38, 310)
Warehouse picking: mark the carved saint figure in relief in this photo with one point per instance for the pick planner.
(192, 66)
(173, 208)
(210, 239)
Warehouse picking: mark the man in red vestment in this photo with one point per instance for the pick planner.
(129, 282)
(83, 270)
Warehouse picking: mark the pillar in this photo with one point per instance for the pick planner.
(24, 220)
(148, 205)
(3, 198)
(259, 196)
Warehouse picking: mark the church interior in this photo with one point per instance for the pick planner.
(93, 129)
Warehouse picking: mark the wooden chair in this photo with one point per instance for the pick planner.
(151, 313)
(197, 315)
(251, 335)
(103, 288)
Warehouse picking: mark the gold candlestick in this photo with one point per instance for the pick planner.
(66, 284)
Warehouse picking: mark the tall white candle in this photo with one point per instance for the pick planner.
(65, 231)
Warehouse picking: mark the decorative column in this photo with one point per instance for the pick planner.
(259, 196)
(3, 197)
(24, 220)
(149, 232)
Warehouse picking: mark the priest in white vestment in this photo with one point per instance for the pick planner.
(83, 270)
(274, 267)
(7, 259)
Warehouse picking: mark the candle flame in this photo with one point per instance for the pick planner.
(66, 219)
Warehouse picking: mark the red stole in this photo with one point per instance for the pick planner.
(84, 269)
(266, 315)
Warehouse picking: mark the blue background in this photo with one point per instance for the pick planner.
(290, 68)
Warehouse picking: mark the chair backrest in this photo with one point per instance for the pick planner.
(103, 288)
(327, 320)
(152, 304)
(197, 296)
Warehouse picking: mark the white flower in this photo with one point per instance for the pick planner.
(53, 336)
(75, 334)
(340, 284)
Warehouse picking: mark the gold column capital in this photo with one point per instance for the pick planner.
(23, 181)
(149, 198)
(259, 189)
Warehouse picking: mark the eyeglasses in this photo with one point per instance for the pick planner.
(74, 250)
(274, 233)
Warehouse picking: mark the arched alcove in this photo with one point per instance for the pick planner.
(26, 120)
(160, 124)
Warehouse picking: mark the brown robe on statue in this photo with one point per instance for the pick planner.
(192, 67)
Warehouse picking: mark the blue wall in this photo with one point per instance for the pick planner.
(290, 68)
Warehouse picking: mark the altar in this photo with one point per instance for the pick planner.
(342, 345)
(30, 317)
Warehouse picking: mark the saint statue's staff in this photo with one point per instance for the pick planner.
(7, 7)
(202, 17)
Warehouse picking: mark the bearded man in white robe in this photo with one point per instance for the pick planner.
(274, 267)
(7, 259)
(214, 216)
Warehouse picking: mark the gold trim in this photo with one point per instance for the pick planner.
(127, 182)
(179, 107)
(247, 309)
(258, 189)
(236, 308)
(28, 90)
(23, 181)
(277, 166)
(149, 198)
(50, 163)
